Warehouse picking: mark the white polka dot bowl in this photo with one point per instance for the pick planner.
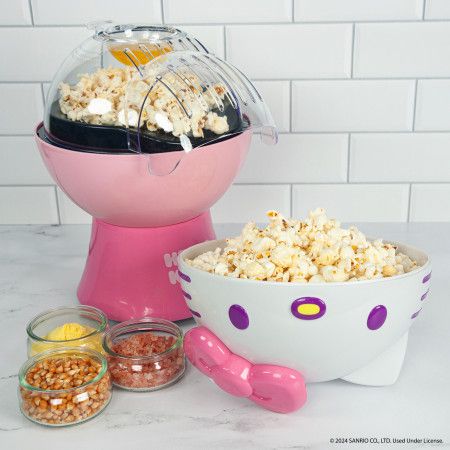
(357, 331)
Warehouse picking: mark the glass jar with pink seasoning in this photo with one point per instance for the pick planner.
(144, 354)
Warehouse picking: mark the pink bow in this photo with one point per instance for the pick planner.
(277, 388)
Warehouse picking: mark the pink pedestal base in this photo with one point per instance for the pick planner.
(132, 272)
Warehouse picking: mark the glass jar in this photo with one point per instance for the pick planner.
(64, 386)
(49, 329)
(144, 354)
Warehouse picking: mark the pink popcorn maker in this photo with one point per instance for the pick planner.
(145, 130)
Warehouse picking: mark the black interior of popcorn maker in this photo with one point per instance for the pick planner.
(84, 137)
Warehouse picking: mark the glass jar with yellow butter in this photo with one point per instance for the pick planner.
(72, 326)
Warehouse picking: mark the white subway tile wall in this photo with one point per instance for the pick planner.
(401, 157)
(230, 11)
(28, 205)
(82, 12)
(291, 51)
(298, 158)
(352, 105)
(354, 10)
(212, 37)
(21, 107)
(359, 89)
(429, 201)
(20, 163)
(402, 50)
(242, 203)
(437, 9)
(354, 203)
(277, 95)
(35, 53)
(15, 13)
(433, 105)
(69, 212)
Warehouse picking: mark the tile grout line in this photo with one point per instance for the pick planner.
(303, 133)
(414, 106)
(163, 19)
(348, 157)
(353, 51)
(32, 185)
(291, 200)
(408, 213)
(23, 82)
(244, 24)
(17, 135)
(319, 79)
(290, 107)
(224, 42)
(57, 205)
(43, 94)
(31, 12)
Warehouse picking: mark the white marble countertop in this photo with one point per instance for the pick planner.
(40, 267)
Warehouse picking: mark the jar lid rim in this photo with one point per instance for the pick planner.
(141, 325)
(59, 310)
(78, 351)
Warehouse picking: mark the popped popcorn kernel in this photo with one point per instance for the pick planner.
(316, 250)
(127, 96)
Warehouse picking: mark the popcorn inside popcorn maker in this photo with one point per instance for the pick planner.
(145, 130)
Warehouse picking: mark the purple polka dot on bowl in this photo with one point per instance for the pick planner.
(195, 313)
(184, 277)
(308, 308)
(377, 317)
(238, 317)
(416, 314)
(186, 295)
(426, 278)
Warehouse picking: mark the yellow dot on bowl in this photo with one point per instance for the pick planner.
(308, 309)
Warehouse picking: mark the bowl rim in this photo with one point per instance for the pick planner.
(220, 242)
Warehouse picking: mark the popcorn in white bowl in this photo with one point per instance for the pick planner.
(324, 330)
(316, 250)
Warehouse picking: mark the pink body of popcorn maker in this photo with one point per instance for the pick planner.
(145, 130)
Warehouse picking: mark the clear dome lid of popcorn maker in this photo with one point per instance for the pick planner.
(149, 89)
